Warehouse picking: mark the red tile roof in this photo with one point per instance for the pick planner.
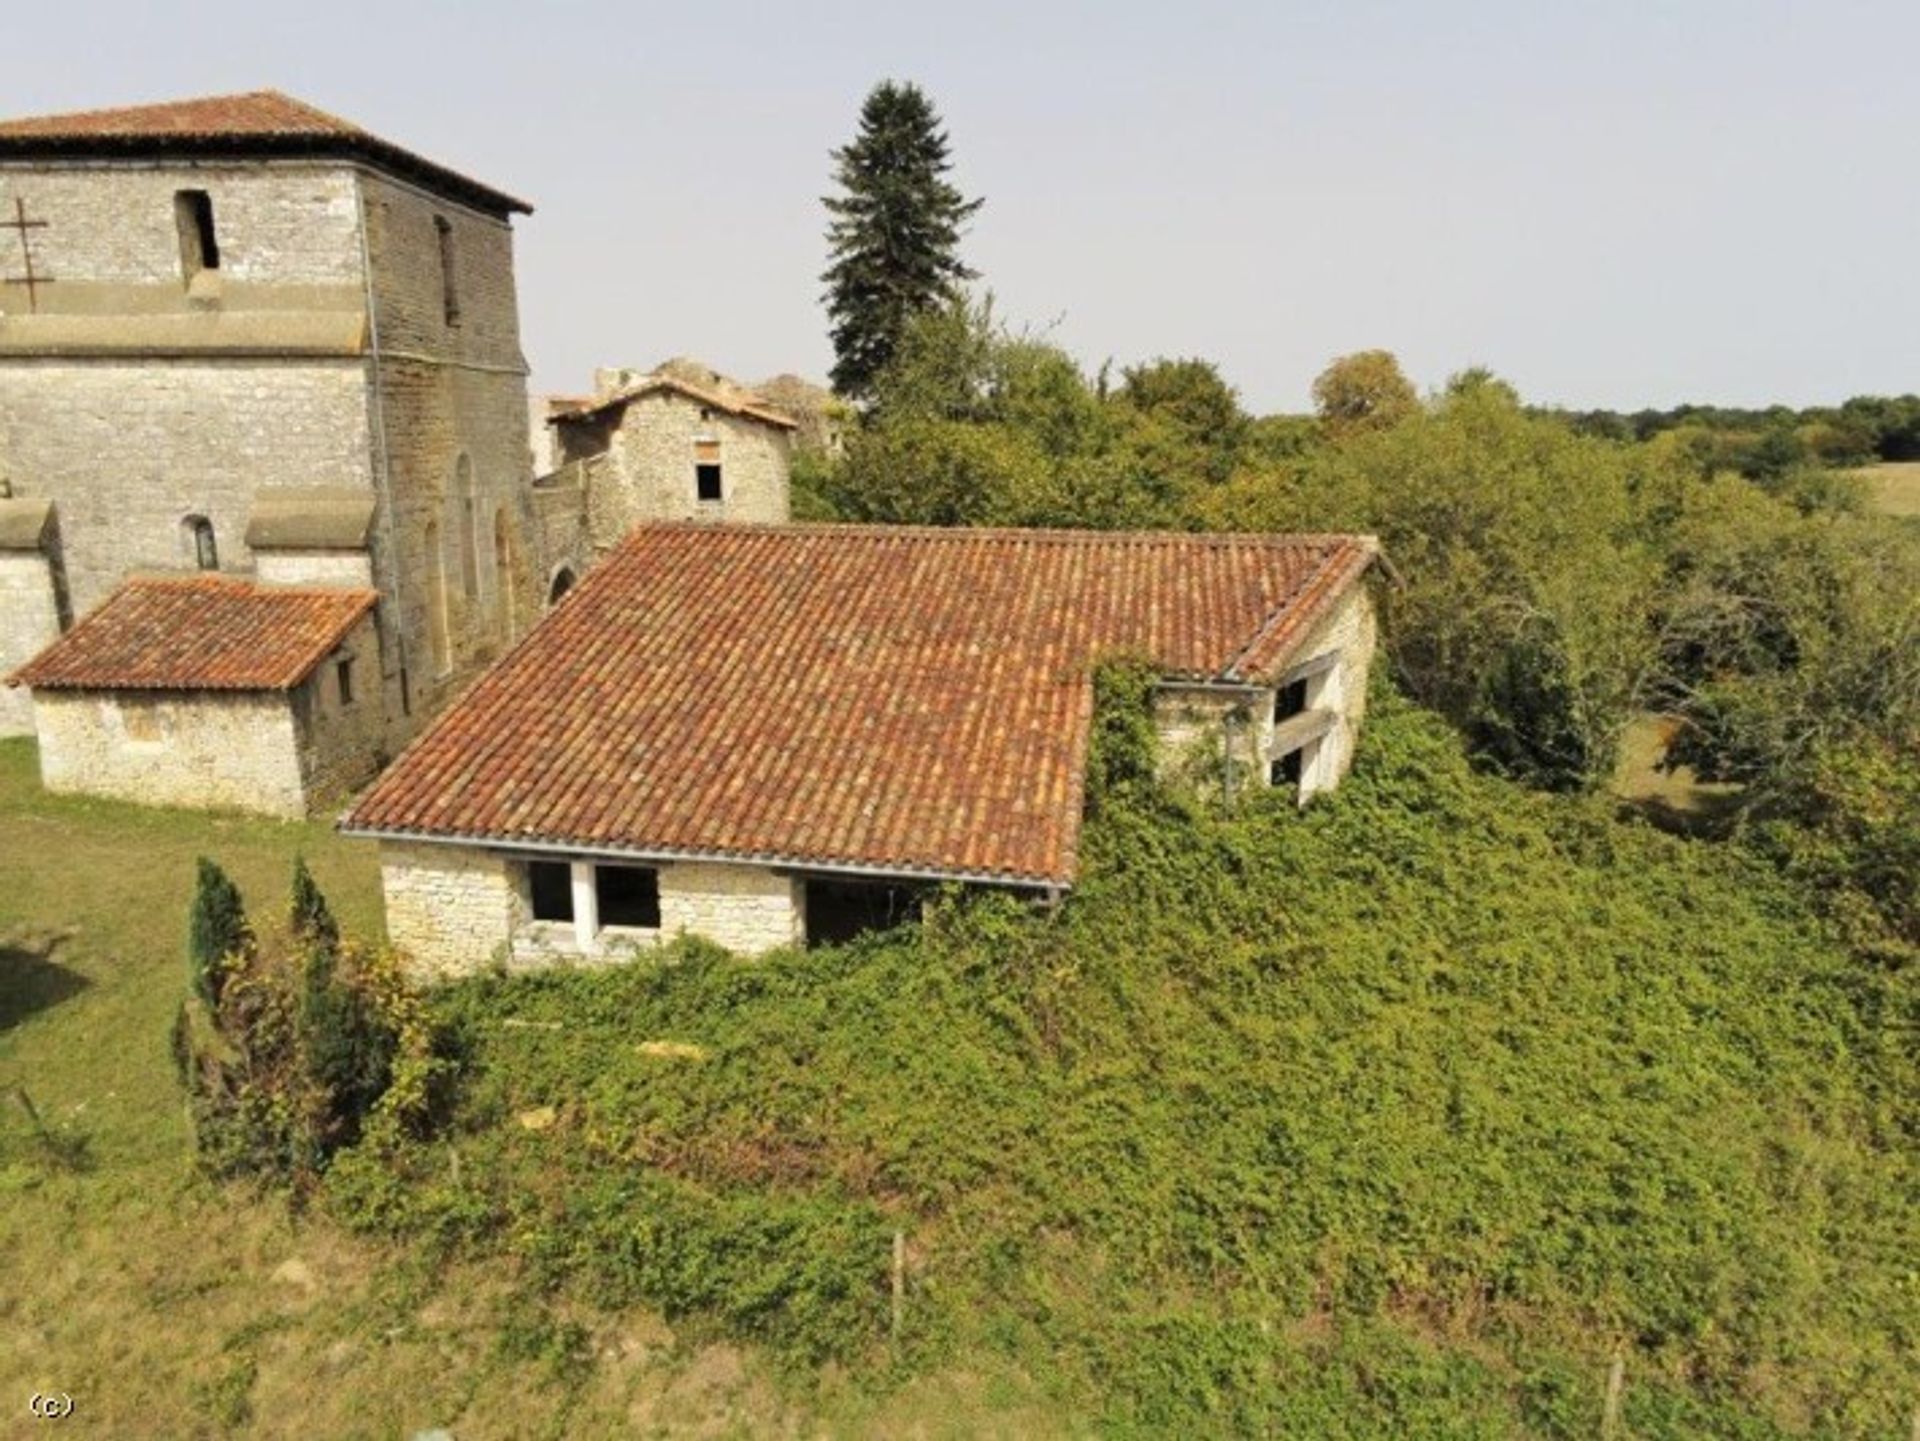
(908, 700)
(200, 632)
(741, 405)
(261, 122)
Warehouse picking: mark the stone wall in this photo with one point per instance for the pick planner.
(29, 622)
(128, 448)
(453, 910)
(350, 568)
(451, 408)
(653, 479)
(745, 908)
(279, 223)
(342, 742)
(1204, 728)
(213, 749)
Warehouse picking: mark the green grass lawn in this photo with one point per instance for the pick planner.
(168, 1307)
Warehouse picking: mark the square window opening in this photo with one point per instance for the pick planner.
(628, 896)
(1290, 700)
(550, 889)
(706, 480)
(1287, 770)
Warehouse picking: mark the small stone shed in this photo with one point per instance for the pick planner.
(213, 691)
(769, 735)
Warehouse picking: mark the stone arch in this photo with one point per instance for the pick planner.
(561, 583)
(466, 518)
(503, 569)
(197, 539)
(437, 601)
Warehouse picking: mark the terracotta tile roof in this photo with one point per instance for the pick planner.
(910, 700)
(261, 122)
(742, 405)
(199, 632)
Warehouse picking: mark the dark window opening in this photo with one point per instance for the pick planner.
(628, 896)
(550, 888)
(838, 911)
(199, 245)
(449, 290)
(206, 554)
(706, 480)
(1290, 700)
(345, 672)
(1286, 770)
(562, 583)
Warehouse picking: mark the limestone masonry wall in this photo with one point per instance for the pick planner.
(653, 471)
(200, 748)
(127, 449)
(342, 740)
(744, 908)
(450, 909)
(29, 622)
(283, 223)
(1192, 720)
(453, 910)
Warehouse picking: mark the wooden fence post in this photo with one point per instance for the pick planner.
(1616, 1383)
(899, 1281)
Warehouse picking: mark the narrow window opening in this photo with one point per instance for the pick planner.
(706, 480)
(204, 551)
(628, 896)
(562, 583)
(449, 289)
(199, 244)
(344, 672)
(550, 890)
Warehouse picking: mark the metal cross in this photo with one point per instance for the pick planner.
(31, 279)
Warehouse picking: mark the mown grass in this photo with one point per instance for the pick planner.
(168, 1307)
(1400, 1116)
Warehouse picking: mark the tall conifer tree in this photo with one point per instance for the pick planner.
(895, 232)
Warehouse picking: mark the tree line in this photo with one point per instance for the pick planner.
(1563, 573)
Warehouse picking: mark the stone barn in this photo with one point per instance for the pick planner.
(770, 735)
(213, 691)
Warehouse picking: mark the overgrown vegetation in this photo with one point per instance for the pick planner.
(1401, 1115)
(288, 1054)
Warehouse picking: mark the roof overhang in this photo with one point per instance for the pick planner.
(506, 845)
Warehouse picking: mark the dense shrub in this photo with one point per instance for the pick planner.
(1396, 1115)
(303, 1044)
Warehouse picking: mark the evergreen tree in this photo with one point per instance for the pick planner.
(312, 919)
(894, 235)
(216, 928)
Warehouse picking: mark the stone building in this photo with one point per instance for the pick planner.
(244, 336)
(664, 445)
(770, 735)
(211, 690)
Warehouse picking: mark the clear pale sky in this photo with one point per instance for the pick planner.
(1624, 204)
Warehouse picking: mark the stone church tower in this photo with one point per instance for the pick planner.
(242, 334)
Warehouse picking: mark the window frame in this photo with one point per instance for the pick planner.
(646, 906)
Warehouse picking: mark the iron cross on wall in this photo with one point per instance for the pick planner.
(29, 277)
